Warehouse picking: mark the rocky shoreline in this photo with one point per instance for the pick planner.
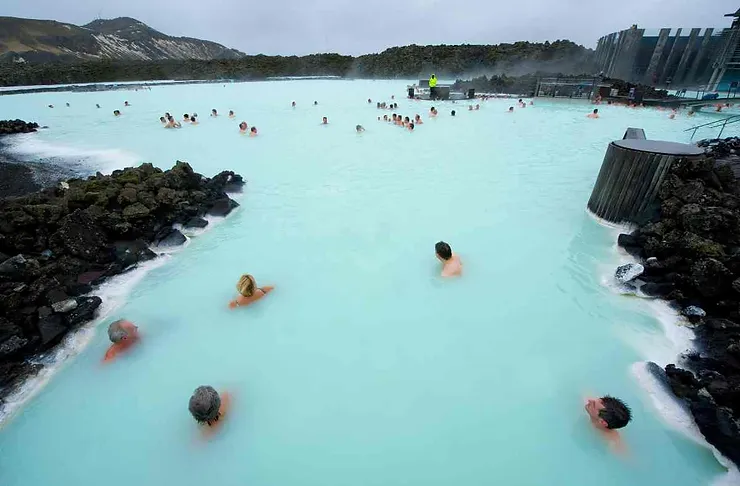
(59, 243)
(690, 255)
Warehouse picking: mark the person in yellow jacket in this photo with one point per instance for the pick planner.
(433, 87)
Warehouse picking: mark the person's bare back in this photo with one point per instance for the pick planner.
(451, 264)
(452, 267)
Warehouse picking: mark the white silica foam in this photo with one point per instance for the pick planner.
(31, 147)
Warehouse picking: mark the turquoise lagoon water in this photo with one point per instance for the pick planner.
(363, 367)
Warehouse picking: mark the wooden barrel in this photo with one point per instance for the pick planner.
(630, 177)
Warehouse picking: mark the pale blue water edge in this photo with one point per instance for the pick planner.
(363, 367)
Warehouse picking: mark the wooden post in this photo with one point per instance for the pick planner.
(630, 177)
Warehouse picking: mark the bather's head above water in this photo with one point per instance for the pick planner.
(122, 330)
(205, 404)
(246, 285)
(608, 412)
(443, 250)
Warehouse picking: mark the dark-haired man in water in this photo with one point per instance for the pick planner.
(608, 414)
(451, 264)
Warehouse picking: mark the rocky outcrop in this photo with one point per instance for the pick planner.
(9, 127)
(56, 245)
(691, 256)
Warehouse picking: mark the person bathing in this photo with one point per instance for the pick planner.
(451, 264)
(248, 292)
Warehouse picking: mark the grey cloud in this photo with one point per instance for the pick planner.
(349, 27)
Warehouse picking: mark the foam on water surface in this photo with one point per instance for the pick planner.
(363, 366)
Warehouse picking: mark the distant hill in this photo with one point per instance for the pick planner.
(124, 38)
(125, 49)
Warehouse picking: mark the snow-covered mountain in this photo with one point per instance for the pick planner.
(28, 40)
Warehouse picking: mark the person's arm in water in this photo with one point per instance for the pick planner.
(242, 301)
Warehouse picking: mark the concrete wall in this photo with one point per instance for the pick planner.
(685, 61)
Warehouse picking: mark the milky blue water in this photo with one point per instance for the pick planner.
(363, 367)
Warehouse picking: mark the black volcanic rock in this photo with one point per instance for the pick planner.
(692, 255)
(58, 244)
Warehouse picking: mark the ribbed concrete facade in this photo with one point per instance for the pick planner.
(676, 57)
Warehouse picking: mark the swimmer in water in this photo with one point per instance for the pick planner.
(248, 291)
(176, 124)
(406, 121)
(377, 105)
(167, 115)
(214, 112)
(51, 106)
(292, 104)
(116, 113)
(411, 127)
(594, 114)
(360, 128)
(193, 121)
(231, 114)
(324, 121)
(123, 334)
(385, 118)
(394, 118)
(451, 264)
(125, 103)
(691, 113)
(67, 105)
(315, 103)
(452, 113)
(97, 105)
(162, 120)
(369, 101)
(511, 109)
(531, 103)
(186, 118)
(208, 408)
(673, 114)
(417, 119)
(608, 414)
(470, 107)
(477, 107)
(243, 127)
(432, 112)
(253, 131)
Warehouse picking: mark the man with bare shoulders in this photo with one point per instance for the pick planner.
(451, 264)
(124, 335)
(208, 408)
(608, 414)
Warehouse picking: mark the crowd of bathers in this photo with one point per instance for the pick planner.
(209, 407)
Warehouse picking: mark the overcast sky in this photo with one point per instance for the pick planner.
(355, 27)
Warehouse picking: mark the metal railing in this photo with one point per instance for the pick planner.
(721, 124)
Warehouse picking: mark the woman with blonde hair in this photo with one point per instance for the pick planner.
(248, 291)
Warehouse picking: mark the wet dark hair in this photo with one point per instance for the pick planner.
(453, 113)
(253, 129)
(186, 115)
(214, 110)
(161, 118)
(511, 108)
(615, 413)
(406, 119)
(411, 125)
(596, 110)
(443, 250)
